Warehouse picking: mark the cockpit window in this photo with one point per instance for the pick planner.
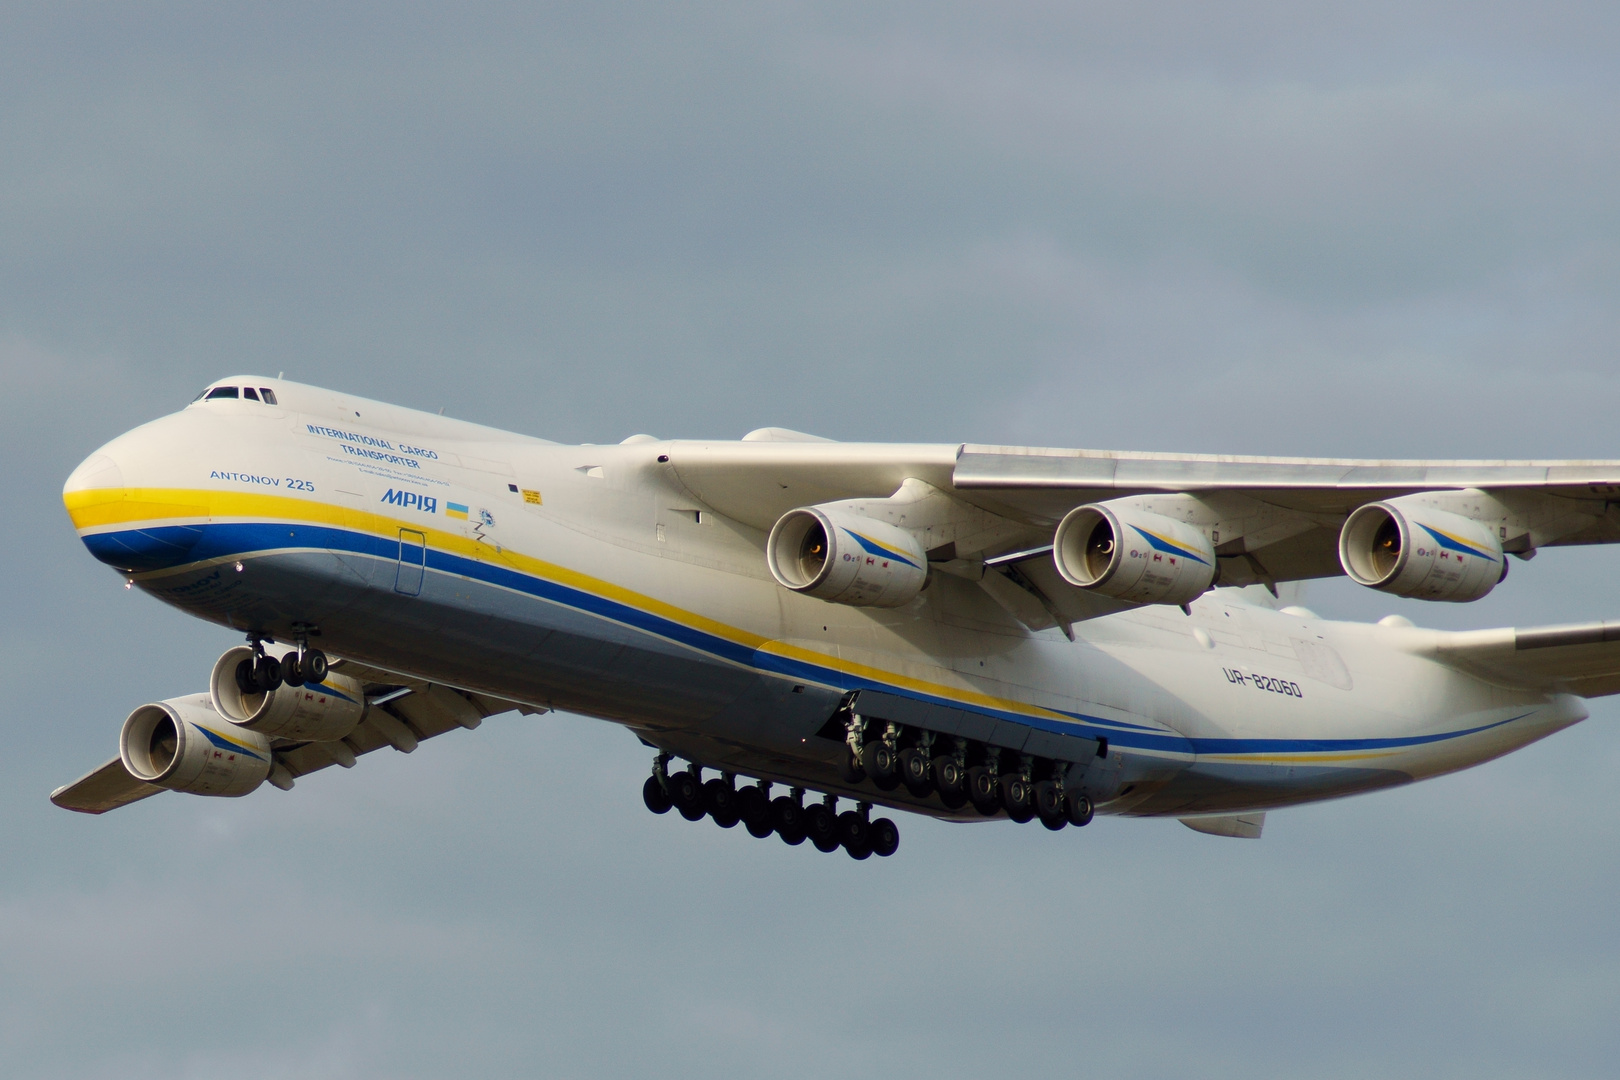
(222, 392)
(249, 393)
(200, 394)
(268, 394)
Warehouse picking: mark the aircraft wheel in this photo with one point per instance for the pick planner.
(885, 838)
(244, 677)
(720, 799)
(914, 773)
(1079, 810)
(950, 782)
(878, 761)
(1048, 800)
(755, 810)
(654, 795)
(982, 790)
(791, 819)
(849, 767)
(1054, 823)
(267, 674)
(686, 795)
(1016, 798)
(291, 672)
(820, 827)
(315, 666)
(855, 834)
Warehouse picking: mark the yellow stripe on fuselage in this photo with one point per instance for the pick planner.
(123, 507)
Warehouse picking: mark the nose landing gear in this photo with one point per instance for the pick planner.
(262, 673)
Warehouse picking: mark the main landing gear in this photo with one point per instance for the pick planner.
(261, 673)
(788, 816)
(960, 771)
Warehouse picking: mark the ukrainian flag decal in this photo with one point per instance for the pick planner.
(455, 510)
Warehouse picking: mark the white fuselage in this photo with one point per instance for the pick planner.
(589, 578)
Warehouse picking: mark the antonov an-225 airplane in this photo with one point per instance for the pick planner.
(954, 630)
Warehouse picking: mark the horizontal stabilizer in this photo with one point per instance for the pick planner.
(1244, 826)
(1582, 658)
(108, 788)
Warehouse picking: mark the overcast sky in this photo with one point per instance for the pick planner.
(1252, 227)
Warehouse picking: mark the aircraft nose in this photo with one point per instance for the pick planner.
(128, 528)
(98, 472)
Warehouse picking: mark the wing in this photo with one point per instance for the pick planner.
(401, 712)
(1582, 659)
(1281, 516)
(1272, 520)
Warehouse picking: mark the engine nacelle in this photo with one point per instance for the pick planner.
(834, 554)
(1120, 550)
(315, 712)
(183, 745)
(1408, 549)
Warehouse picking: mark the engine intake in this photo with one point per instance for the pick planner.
(315, 712)
(1120, 550)
(183, 745)
(1403, 547)
(835, 554)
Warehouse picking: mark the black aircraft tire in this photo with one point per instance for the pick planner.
(267, 675)
(1079, 810)
(983, 792)
(654, 795)
(291, 672)
(878, 761)
(885, 838)
(686, 795)
(315, 666)
(855, 833)
(720, 799)
(1017, 799)
(915, 773)
(755, 809)
(790, 819)
(820, 827)
(949, 782)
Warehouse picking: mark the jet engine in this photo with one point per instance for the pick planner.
(315, 712)
(1409, 549)
(1119, 550)
(834, 554)
(183, 745)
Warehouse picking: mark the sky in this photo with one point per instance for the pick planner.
(1286, 228)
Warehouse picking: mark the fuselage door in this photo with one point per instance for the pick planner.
(412, 562)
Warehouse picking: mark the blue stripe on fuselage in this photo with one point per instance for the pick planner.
(240, 540)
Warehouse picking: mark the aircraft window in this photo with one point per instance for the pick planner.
(247, 392)
(222, 392)
(268, 394)
(200, 394)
